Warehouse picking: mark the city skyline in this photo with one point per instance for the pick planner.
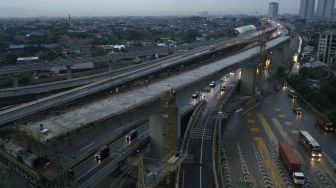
(34, 8)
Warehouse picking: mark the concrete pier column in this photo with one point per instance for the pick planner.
(15, 80)
(155, 132)
(280, 57)
(248, 79)
(286, 55)
(68, 72)
(276, 60)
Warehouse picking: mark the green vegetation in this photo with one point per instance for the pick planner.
(23, 79)
(323, 98)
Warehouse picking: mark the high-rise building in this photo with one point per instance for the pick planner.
(327, 47)
(69, 20)
(321, 8)
(307, 8)
(273, 9)
(330, 4)
(325, 8)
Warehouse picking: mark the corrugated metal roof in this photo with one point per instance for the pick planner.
(246, 28)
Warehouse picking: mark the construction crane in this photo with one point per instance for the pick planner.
(262, 51)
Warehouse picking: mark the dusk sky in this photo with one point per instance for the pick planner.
(20, 8)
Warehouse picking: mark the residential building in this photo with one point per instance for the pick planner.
(327, 47)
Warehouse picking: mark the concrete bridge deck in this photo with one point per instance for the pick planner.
(113, 105)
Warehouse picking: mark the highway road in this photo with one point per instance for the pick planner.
(26, 109)
(196, 170)
(250, 144)
(116, 149)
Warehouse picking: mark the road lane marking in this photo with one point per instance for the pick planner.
(267, 129)
(254, 129)
(293, 131)
(288, 123)
(239, 110)
(86, 146)
(268, 161)
(282, 115)
(327, 170)
(277, 109)
(201, 157)
(284, 135)
(250, 121)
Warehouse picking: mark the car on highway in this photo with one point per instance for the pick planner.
(102, 153)
(131, 135)
(195, 95)
(212, 84)
(297, 110)
(223, 88)
(285, 83)
(292, 93)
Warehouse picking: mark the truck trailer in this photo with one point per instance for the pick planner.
(291, 162)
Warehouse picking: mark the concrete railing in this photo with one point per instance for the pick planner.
(216, 139)
(184, 144)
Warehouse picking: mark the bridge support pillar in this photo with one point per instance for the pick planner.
(280, 58)
(155, 132)
(248, 80)
(164, 127)
(68, 72)
(15, 80)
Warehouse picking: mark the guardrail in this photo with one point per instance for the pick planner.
(216, 140)
(191, 123)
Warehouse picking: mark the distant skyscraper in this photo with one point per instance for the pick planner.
(273, 9)
(325, 8)
(330, 4)
(321, 8)
(307, 8)
(69, 20)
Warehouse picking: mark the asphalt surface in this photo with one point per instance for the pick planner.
(197, 168)
(116, 148)
(250, 144)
